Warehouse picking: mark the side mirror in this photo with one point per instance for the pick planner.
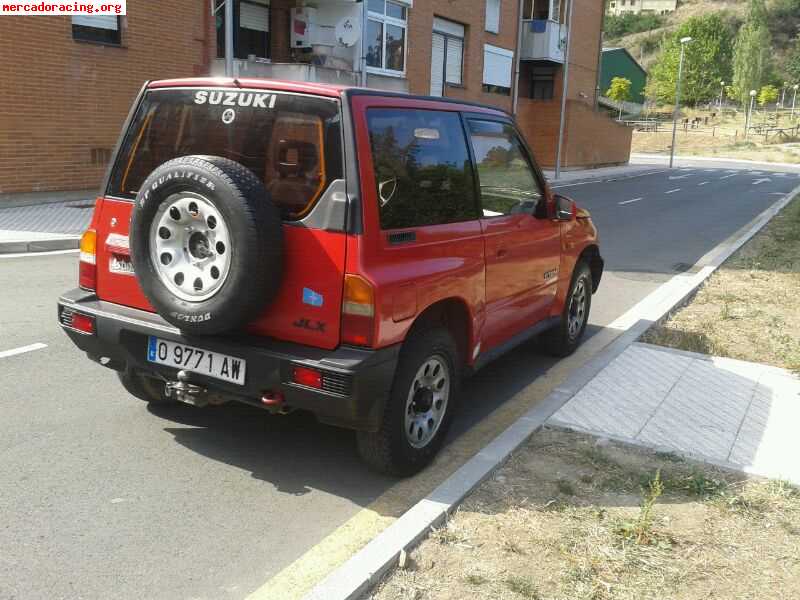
(565, 208)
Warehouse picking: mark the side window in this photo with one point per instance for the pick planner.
(508, 183)
(422, 168)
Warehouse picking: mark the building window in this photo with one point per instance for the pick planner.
(543, 83)
(251, 36)
(386, 36)
(447, 55)
(103, 29)
(497, 66)
(493, 16)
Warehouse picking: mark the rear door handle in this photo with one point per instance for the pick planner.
(502, 253)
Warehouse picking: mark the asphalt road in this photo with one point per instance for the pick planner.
(101, 497)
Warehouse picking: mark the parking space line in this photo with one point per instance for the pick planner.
(629, 201)
(22, 350)
(704, 183)
(726, 176)
(673, 191)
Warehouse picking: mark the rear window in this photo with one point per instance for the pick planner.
(291, 142)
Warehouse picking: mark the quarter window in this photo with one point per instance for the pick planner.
(508, 182)
(423, 172)
(104, 29)
(386, 36)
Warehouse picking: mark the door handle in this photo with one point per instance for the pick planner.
(502, 253)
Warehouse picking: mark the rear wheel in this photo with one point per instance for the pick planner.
(145, 388)
(420, 407)
(565, 337)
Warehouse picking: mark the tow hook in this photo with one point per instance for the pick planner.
(186, 392)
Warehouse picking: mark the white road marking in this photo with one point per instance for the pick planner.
(756, 173)
(31, 254)
(711, 170)
(704, 183)
(673, 191)
(726, 176)
(629, 201)
(780, 174)
(678, 177)
(762, 180)
(777, 194)
(22, 350)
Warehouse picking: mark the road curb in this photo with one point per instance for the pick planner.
(718, 159)
(25, 247)
(366, 568)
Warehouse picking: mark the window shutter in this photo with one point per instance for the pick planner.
(497, 66)
(437, 65)
(98, 22)
(493, 16)
(455, 54)
(254, 16)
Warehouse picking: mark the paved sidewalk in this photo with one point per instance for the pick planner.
(630, 170)
(729, 412)
(41, 227)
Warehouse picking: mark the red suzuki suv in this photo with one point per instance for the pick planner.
(347, 252)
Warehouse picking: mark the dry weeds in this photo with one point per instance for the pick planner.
(750, 308)
(710, 534)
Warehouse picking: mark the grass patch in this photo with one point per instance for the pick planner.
(523, 586)
(749, 308)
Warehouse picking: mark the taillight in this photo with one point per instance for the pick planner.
(358, 311)
(87, 271)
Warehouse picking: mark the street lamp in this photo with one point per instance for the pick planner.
(675, 113)
(794, 99)
(783, 94)
(749, 113)
(721, 93)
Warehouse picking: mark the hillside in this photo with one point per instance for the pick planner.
(784, 24)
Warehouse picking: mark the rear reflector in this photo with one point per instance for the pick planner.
(78, 321)
(87, 270)
(307, 377)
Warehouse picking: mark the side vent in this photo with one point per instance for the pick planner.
(402, 237)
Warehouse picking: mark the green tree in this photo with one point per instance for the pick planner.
(752, 51)
(707, 60)
(620, 91)
(767, 95)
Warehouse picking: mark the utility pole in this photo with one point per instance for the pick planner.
(721, 93)
(794, 99)
(677, 110)
(749, 113)
(564, 86)
(229, 38)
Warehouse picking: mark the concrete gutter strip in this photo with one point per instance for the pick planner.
(24, 247)
(368, 566)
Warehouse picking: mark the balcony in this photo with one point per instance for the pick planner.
(543, 40)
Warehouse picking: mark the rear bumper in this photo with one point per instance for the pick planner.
(356, 381)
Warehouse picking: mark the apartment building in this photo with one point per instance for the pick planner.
(68, 82)
(659, 7)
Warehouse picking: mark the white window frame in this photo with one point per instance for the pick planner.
(451, 30)
(387, 20)
(486, 24)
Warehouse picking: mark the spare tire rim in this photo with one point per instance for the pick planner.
(190, 247)
(426, 403)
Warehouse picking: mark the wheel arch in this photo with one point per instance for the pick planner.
(591, 255)
(454, 314)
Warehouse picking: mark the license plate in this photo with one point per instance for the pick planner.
(122, 265)
(197, 360)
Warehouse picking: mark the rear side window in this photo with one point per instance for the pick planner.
(292, 143)
(422, 168)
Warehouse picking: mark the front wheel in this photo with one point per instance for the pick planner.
(565, 337)
(420, 407)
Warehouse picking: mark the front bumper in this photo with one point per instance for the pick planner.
(356, 382)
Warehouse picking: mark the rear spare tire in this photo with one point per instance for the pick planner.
(206, 244)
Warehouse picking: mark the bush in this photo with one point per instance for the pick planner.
(619, 25)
